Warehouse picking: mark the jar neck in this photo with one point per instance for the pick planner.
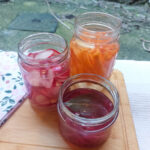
(97, 80)
(96, 27)
(40, 42)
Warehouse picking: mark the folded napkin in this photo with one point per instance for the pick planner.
(137, 78)
(12, 89)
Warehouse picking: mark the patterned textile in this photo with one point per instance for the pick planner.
(12, 89)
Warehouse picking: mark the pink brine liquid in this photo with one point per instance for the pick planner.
(44, 80)
(89, 104)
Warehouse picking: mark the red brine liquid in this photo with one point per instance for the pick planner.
(89, 104)
(44, 80)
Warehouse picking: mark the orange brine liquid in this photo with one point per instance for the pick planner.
(94, 52)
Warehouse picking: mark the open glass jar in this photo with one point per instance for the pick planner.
(94, 45)
(44, 62)
(88, 105)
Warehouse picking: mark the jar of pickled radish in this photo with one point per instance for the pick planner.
(44, 62)
(94, 45)
(88, 106)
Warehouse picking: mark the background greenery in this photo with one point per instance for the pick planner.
(135, 16)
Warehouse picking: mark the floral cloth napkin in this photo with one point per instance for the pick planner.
(12, 89)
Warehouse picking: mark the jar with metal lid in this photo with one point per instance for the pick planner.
(44, 62)
(94, 45)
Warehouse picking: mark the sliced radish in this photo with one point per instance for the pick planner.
(42, 100)
(44, 54)
(51, 93)
(26, 67)
(33, 78)
(53, 101)
(55, 91)
(44, 97)
(48, 82)
(40, 78)
(45, 80)
(55, 51)
(50, 73)
(63, 77)
(33, 54)
(57, 68)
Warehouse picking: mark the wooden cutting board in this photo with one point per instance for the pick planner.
(29, 129)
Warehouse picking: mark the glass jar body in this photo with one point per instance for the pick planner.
(44, 66)
(94, 45)
(77, 122)
(83, 135)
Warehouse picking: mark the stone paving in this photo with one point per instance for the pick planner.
(136, 22)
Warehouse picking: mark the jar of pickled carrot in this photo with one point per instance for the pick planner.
(94, 45)
(44, 62)
(88, 106)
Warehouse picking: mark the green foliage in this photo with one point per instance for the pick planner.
(136, 21)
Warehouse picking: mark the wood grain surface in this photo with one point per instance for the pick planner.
(29, 129)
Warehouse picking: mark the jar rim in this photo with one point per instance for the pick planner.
(86, 14)
(89, 121)
(22, 43)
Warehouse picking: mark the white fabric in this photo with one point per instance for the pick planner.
(12, 89)
(137, 78)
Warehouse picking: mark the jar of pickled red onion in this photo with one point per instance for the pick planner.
(44, 62)
(94, 45)
(88, 106)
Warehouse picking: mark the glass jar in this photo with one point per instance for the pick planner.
(44, 62)
(94, 45)
(88, 105)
